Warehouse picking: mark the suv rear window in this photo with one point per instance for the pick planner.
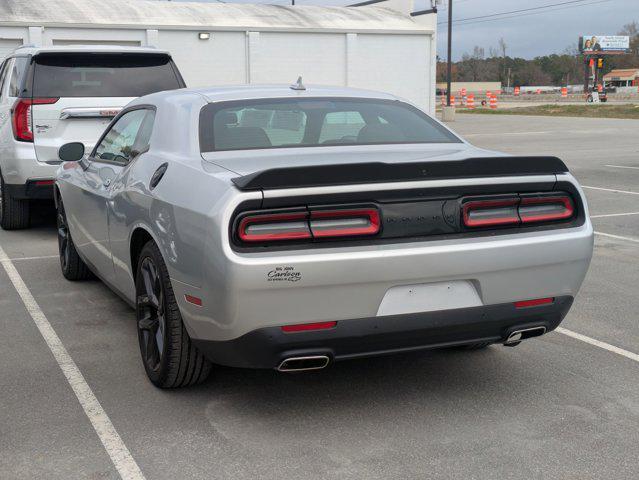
(314, 122)
(103, 75)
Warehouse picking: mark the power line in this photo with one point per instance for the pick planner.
(541, 7)
(501, 17)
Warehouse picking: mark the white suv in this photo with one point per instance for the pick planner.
(53, 95)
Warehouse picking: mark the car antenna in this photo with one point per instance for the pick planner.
(298, 85)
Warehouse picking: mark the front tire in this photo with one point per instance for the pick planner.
(169, 357)
(73, 267)
(14, 213)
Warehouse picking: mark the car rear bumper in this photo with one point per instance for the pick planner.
(268, 347)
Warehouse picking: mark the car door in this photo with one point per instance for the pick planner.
(86, 200)
(6, 133)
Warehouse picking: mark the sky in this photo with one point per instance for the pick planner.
(545, 32)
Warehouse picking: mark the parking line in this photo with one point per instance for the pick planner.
(111, 440)
(617, 237)
(611, 190)
(42, 257)
(622, 166)
(614, 215)
(599, 343)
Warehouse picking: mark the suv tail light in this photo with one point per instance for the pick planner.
(268, 227)
(525, 209)
(21, 118)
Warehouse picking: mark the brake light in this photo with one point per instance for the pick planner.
(21, 117)
(273, 227)
(489, 213)
(544, 209)
(344, 223)
(333, 223)
(514, 211)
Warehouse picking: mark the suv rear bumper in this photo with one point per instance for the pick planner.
(31, 190)
(268, 347)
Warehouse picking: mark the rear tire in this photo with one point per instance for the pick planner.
(14, 213)
(169, 357)
(73, 267)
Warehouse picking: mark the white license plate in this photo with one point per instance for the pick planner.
(429, 297)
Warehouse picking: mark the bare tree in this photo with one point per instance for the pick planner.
(502, 47)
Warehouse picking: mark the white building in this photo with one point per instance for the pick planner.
(375, 47)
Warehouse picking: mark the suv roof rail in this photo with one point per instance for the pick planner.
(28, 45)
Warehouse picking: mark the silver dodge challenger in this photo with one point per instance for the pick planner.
(290, 228)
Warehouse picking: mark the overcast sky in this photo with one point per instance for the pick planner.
(547, 31)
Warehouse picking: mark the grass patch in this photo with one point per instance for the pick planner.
(585, 111)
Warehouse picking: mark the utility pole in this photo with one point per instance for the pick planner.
(450, 51)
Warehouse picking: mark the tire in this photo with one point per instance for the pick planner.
(73, 267)
(14, 213)
(169, 357)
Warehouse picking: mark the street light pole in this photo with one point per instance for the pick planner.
(450, 50)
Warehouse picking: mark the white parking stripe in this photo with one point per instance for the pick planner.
(115, 447)
(611, 190)
(43, 257)
(618, 237)
(622, 166)
(599, 343)
(614, 215)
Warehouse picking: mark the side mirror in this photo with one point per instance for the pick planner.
(71, 152)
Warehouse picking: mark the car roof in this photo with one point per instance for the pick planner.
(34, 50)
(252, 92)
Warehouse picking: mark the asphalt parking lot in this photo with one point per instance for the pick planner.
(555, 407)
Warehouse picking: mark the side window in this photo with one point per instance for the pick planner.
(19, 66)
(126, 138)
(3, 76)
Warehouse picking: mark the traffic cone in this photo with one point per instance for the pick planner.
(470, 101)
(564, 92)
(517, 91)
(493, 102)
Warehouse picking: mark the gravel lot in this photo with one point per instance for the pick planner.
(555, 407)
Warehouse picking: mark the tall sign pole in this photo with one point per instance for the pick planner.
(450, 51)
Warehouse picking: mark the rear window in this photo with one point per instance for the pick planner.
(289, 123)
(102, 75)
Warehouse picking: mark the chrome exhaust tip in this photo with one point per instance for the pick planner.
(516, 337)
(303, 364)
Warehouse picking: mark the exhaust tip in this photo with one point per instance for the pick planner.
(303, 364)
(517, 336)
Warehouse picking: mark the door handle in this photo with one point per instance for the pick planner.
(106, 182)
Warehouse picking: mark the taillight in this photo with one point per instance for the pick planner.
(545, 209)
(513, 211)
(489, 213)
(333, 223)
(344, 223)
(21, 117)
(273, 227)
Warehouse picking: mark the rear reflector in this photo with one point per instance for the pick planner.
(304, 327)
(193, 300)
(43, 183)
(534, 303)
(301, 225)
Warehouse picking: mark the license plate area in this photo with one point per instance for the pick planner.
(429, 297)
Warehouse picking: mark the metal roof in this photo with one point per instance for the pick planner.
(215, 16)
(623, 74)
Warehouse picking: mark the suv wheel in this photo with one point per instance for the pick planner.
(73, 268)
(14, 213)
(169, 357)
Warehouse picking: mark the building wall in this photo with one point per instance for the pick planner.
(401, 64)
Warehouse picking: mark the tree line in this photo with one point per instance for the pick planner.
(557, 69)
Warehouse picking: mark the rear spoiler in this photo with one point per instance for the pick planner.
(379, 172)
